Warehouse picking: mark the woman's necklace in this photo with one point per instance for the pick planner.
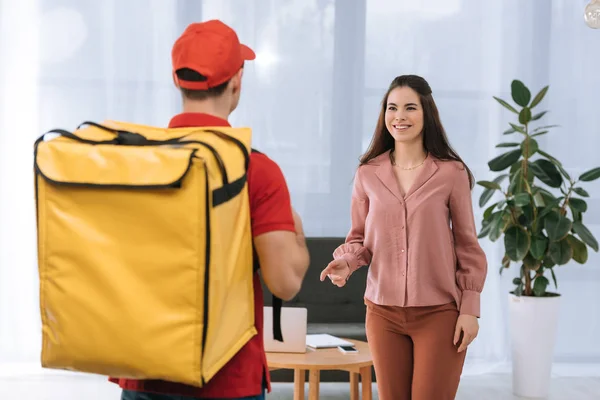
(406, 168)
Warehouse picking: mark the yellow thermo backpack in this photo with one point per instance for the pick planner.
(145, 250)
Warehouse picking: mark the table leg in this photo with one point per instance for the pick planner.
(313, 384)
(366, 383)
(353, 386)
(299, 380)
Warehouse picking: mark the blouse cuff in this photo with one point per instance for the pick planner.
(470, 303)
(352, 261)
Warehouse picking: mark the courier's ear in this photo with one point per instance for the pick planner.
(236, 81)
(175, 80)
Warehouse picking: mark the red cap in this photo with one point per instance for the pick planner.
(212, 49)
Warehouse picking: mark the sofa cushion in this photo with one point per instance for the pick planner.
(349, 330)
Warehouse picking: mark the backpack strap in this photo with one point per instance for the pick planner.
(276, 301)
(277, 305)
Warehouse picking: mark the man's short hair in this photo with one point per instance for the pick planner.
(191, 75)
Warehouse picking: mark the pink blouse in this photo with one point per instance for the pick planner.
(421, 248)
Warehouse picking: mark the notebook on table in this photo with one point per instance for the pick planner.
(325, 341)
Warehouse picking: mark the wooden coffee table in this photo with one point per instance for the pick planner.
(315, 361)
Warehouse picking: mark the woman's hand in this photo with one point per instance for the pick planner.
(469, 326)
(338, 271)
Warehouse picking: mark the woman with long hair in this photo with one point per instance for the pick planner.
(413, 225)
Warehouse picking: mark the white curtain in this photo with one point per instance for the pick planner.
(312, 99)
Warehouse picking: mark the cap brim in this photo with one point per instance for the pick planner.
(247, 53)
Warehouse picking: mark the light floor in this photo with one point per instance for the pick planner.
(482, 387)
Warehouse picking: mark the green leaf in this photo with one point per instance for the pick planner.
(506, 105)
(554, 278)
(539, 133)
(557, 163)
(580, 253)
(505, 160)
(547, 172)
(577, 215)
(486, 225)
(517, 181)
(539, 244)
(531, 263)
(581, 192)
(529, 147)
(545, 127)
(508, 145)
(485, 229)
(549, 198)
(485, 197)
(550, 207)
(557, 226)
(584, 233)
(497, 225)
(525, 116)
(549, 157)
(488, 212)
(538, 200)
(548, 262)
(578, 207)
(539, 286)
(515, 167)
(561, 252)
(578, 204)
(489, 185)
(526, 218)
(488, 193)
(519, 290)
(517, 281)
(508, 131)
(522, 199)
(538, 115)
(520, 94)
(516, 243)
(563, 172)
(590, 175)
(538, 97)
(517, 128)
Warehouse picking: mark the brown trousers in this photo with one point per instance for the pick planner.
(413, 353)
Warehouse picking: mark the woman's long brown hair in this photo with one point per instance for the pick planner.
(435, 140)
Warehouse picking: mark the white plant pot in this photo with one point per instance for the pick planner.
(533, 324)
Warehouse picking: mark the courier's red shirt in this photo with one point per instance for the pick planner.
(270, 210)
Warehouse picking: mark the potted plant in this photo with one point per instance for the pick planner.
(540, 216)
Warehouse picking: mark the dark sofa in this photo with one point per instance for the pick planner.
(337, 311)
